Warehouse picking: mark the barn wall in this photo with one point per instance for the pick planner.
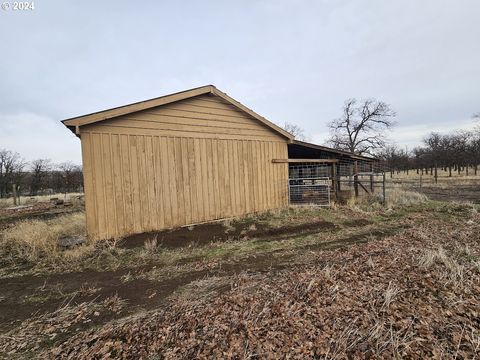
(150, 171)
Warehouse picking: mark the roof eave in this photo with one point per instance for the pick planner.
(340, 152)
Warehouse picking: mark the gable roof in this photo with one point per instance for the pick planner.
(74, 123)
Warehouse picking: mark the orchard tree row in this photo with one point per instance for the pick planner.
(40, 176)
(458, 152)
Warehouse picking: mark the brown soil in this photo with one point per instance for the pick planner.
(139, 293)
(204, 234)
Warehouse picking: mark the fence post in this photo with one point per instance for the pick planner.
(14, 193)
(355, 178)
(384, 192)
(372, 188)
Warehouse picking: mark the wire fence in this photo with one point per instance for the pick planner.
(317, 184)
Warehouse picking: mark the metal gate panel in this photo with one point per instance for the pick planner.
(309, 191)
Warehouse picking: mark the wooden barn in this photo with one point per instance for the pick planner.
(193, 157)
(180, 159)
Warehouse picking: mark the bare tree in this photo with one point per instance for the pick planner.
(69, 177)
(361, 128)
(39, 172)
(11, 166)
(296, 131)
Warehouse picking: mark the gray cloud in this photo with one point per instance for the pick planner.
(294, 61)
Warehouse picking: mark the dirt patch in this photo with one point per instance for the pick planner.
(204, 234)
(199, 235)
(357, 223)
(301, 229)
(17, 304)
(17, 301)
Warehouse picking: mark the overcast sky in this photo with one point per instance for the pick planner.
(290, 61)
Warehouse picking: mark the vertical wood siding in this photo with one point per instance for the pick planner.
(140, 179)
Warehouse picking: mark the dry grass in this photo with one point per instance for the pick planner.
(151, 245)
(452, 270)
(227, 224)
(114, 303)
(396, 197)
(33, 240)
(399, 197)
(39, 330)
(389, 295)
(24, 200)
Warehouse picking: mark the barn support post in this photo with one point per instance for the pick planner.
(339, 183)
(355, 178)
(334, 181)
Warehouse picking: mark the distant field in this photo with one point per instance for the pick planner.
(25, 200)
(460, 188)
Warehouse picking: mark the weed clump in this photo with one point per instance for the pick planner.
(34, 240)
